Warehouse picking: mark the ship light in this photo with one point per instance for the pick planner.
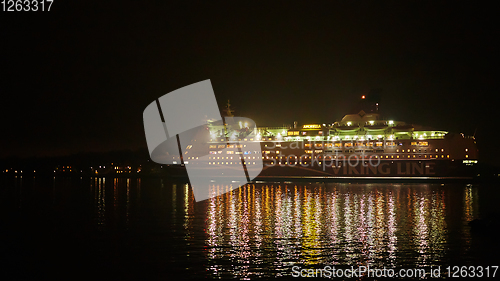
(368, 136)
(278, 136)
(241, 125)
(371, 122)
(317, 138)
(363, 97)
(379, 136)
(246, 124)
(391, 122)
(349, 123)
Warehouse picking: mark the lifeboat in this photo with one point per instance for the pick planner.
(347, 129)
(402, 128)
(376, 128)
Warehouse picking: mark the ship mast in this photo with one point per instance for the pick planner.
(228, 110)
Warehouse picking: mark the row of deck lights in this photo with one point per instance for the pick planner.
(372, 122)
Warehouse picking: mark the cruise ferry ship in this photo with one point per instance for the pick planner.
(362, 145)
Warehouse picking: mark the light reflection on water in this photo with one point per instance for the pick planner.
(270, 227)
(258, 230)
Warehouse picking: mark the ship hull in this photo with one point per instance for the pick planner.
(387, 170)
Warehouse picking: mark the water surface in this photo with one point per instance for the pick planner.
(105, 228)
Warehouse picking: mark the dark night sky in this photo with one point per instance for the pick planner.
(77, 78)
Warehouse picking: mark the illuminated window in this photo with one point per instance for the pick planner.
(379, 143)
(442, 149)
(437, 150)
(230, 152)
(212, 146)
(397, 150)
(390, 143)
(448, 156)
(348, 144)
(213, 152)
(338, 144)
(413, 143)
(423, 143)
(466, 156)
(466, 149)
